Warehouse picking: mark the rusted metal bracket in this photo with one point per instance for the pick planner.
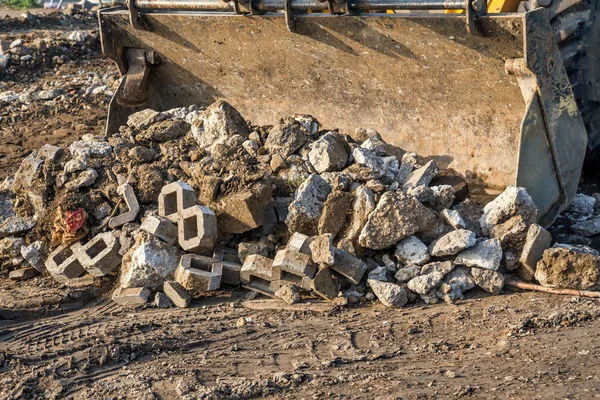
(132, 93)
(289, 16)
(134, 15)
(475, 9)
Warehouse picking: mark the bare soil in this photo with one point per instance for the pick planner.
(517, 345)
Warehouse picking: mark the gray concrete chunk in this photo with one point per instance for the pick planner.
(131, 296)
(537, 241)
(486, 254)
(452, 243)
(177, 293)
(412, 251)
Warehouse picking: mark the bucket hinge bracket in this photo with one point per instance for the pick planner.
(132, 93)
(475, 9)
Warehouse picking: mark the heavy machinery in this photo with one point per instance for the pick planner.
(504, 93)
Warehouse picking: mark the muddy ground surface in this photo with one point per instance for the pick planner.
(25, 127)
(71, 342)
(518, 345)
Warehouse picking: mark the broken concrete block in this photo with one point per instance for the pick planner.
(198, 274)
(289, 293)
(421, 176)
(412, 251)
(161, 300)
(381, 274)
(174, 198)
(286, 137)
(30, 169)
(33, 254)
(362, 206)
(22, 274)
(423, 284)
(329, 153)
(12, 226)
(291, 266)
(132, 205)
(453, 218)
(438, 266)
(10, 247)
(84, 179)
(349, 266)
(263, 247)
(455, 284)
(143, 119)
(300, 243)
(590, 227)
(322, 249)
(537, 241)
(396, 217)
(490, 281)
(49, 152)
(486, 254)
(148, 263)
(305, 211)
(335, 210)
(581, 208)
(177, 294)
(511, 234)
(220, 128)
(565, 268)
(84, 149)
(100, 255)
(230, 272)
(257, 272)
(325, 284)
(131, 296)
(452, 243)
(197, 229)
(407, 273)
(244, 210)
(160, 227)
(513, 201)
(63, 263)
(389, 294)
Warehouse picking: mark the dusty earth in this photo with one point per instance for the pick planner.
(71, 342)
(25, 127)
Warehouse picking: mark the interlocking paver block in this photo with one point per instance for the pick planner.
(257, 273)
(100, 255)
(300, 243)
(292, 266)
(231, 272)
(197, 229)
(174, 198)
(198, 274)
(63, 263)
(131, 201)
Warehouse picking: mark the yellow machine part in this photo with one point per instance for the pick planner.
(495, 7)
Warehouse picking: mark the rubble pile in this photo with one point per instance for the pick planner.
(74, 16)
(22, 56)
(191, 200)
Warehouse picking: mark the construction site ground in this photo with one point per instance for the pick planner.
(76, 343)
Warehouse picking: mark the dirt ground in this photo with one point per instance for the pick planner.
(517, 345)
(71, 342)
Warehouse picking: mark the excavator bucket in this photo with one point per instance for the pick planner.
(487, 95)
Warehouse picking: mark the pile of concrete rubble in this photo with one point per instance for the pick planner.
(191, 200)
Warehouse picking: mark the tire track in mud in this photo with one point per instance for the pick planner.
(105, 345)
